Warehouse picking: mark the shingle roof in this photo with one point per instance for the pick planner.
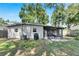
(20, 24)
(33, 24)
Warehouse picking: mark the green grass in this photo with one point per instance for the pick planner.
(42, 47)
(64, 48)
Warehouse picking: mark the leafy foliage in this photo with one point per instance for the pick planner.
(2, 22)
(72, 15)
(64, 14)
(33, 13)
(77, 38)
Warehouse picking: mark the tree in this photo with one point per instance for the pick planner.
(76, 17)
(68, 16)
(72, 15)
(58, 15)
(26, 13)
(2, 22)
(42, 16)
(33, 13)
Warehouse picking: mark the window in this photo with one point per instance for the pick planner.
(34, 29)
(16, 30)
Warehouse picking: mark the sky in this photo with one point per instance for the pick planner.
(10, 11)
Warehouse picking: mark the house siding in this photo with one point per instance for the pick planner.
(13, 34)
(27, 29)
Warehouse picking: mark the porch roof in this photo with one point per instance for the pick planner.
(52, 28)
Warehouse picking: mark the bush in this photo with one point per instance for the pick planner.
(77, 38)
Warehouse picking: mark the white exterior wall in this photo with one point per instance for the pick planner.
(39, 30)
(27, 29)
(13, 34)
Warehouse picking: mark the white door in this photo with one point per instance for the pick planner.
(17, 33)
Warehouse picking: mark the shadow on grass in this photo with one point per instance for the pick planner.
(44, 48)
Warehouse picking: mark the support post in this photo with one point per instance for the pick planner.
(61, 33)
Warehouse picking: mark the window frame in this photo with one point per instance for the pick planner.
(34, 30)
(16, 29)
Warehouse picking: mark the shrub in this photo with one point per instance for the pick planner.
(77, 38)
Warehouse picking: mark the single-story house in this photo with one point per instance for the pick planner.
(32, 31)
(28, 30)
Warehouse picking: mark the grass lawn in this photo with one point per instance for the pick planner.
(39, 48)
